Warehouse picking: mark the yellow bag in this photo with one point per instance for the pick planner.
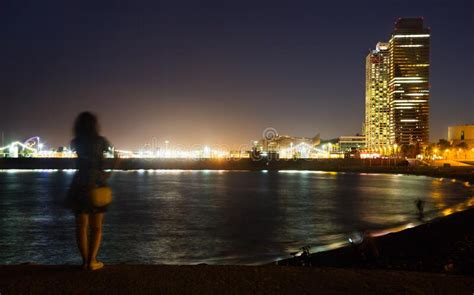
(101, 196)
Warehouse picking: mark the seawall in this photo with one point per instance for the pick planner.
(337, 165)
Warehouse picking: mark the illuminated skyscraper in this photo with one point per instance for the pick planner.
(409, 88)
(377, 110)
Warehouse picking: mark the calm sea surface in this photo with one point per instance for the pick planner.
(215, 217)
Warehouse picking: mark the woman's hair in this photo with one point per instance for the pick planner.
(86, 125)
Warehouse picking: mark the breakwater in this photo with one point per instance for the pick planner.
(200, 164)
(337, 165)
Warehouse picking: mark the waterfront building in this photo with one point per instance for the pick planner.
(349, 143)
(286, 146)
(461, 134)
(280, 142)
(377, 111)
(409, 88)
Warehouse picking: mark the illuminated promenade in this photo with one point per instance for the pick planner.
(464, 173)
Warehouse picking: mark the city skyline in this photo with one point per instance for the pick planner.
(214, 75)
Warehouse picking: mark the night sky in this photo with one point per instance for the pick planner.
(202, 72)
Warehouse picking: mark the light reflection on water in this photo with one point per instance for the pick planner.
(183, 217)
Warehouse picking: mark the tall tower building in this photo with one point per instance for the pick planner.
(409, 88)
(377, 110)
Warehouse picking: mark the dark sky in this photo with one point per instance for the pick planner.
(202, 72)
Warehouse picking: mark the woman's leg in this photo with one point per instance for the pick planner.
(82, 225)
(96, 236)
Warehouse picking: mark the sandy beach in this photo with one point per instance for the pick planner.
(443, 245)
(434, 258)
(153, 279)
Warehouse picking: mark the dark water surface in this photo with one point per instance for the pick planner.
(216, 217)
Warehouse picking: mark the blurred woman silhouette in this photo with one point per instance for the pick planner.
(90, 148)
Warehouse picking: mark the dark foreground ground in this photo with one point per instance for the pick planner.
(155, 279)
(435, 258)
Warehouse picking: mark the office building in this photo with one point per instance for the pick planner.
(409, 87)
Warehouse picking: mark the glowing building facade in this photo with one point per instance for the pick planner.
(280, 142)
(461, 134)
(349, 143)
(409, 88)
(377, 110)
(292, 147)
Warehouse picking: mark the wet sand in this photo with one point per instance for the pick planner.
(443, 245)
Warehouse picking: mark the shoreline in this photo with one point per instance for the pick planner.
(441, 245)
(407, 263)
(432, 217)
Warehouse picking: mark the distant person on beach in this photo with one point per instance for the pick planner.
(420, 206)
(90, 175)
